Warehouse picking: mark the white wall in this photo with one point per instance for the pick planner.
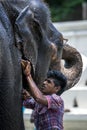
(78, 93)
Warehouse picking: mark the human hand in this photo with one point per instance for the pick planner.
(25, 94)
(26, 67)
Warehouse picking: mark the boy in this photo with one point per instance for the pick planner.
(47, 104)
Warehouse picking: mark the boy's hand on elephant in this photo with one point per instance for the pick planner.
(26, 67)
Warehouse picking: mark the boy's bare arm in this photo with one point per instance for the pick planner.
(36, 93)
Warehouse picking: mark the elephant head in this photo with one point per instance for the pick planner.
(43, 45)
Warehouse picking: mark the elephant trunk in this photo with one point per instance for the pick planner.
(72, 67)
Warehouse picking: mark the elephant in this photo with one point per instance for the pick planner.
(27, 32)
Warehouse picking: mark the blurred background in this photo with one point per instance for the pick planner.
(68, 10)
(70, 18)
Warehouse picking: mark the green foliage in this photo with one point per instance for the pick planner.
(63, 10)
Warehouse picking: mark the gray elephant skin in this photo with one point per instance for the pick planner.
(26, 31)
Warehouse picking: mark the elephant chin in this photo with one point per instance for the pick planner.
(72, 67)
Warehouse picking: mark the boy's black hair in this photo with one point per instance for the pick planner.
(59, 79)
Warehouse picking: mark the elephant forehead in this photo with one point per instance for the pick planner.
(41, 11)
(37, 5)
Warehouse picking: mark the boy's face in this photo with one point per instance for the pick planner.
(49, 87)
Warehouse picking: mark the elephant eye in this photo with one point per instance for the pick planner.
(65, 40)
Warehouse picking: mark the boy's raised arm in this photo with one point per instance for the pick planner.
(36, 93)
